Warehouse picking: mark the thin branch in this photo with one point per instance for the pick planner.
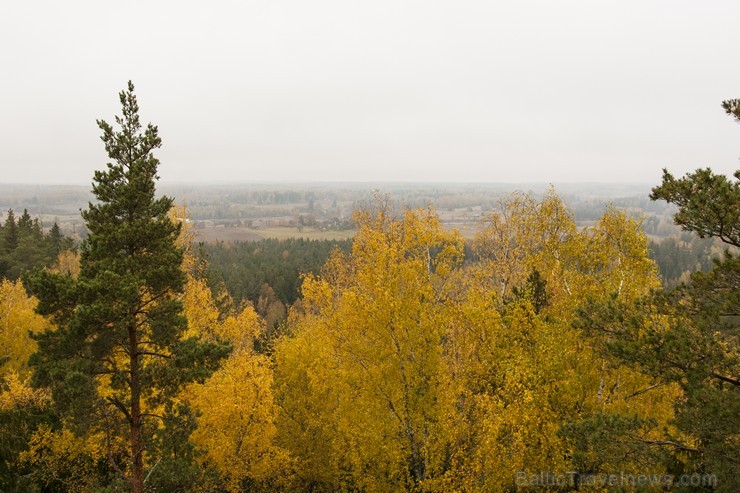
(670, 443)
(118, 404)
(731, 380)
(152, 469)
(642, 391)
(152, 353)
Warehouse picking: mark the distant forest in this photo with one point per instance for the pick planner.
(266, 271)
(271, 269)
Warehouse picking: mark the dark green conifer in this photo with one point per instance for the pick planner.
(10, 230)
(55, 239)
(708, 204)
(122, 318)
(25, 223)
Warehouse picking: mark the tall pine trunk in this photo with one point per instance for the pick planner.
(137, 449)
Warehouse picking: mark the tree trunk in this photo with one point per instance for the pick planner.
(137, 449)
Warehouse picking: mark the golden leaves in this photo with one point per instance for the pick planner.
(17, 394)
(67, 263)
(236, 425)
(17, 320)
(407, 368)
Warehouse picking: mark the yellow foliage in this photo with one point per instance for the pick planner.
(16, 393)
(235, 407)
(242, 330)
(205, 319)
(67, 262)
(191, 264)
(60, 455)
(404, 369)
(523, 235)
(17, 320)
(199, 308)
(526, 235)
(407, 370)
(236, 425)
(359, 382)
(539, 371)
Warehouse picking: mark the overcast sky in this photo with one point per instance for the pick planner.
(378, 90)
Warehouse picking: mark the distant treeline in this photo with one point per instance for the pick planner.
(244, 269)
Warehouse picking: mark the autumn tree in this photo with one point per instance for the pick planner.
(17, 322)
(22, 408)
(404, 368)
(236, 412)
(118, 356)
(521, 376)
(358, 382)
(233, 409)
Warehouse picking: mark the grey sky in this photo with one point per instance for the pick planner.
(376, 90)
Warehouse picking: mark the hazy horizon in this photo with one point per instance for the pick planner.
(378, 92)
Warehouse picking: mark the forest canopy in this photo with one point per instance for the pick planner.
(407, 359)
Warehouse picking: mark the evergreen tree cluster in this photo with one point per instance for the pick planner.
(24, 246)
(245, 267)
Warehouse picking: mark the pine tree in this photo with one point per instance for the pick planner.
(119, 354)
(708, 204)
(25, 223)
(11, 232)
(8, 243)
(56, 241)
(689, 337)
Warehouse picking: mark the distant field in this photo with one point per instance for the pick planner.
(228, 212)
(210, 235)
(220, 233)
(467, 232)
